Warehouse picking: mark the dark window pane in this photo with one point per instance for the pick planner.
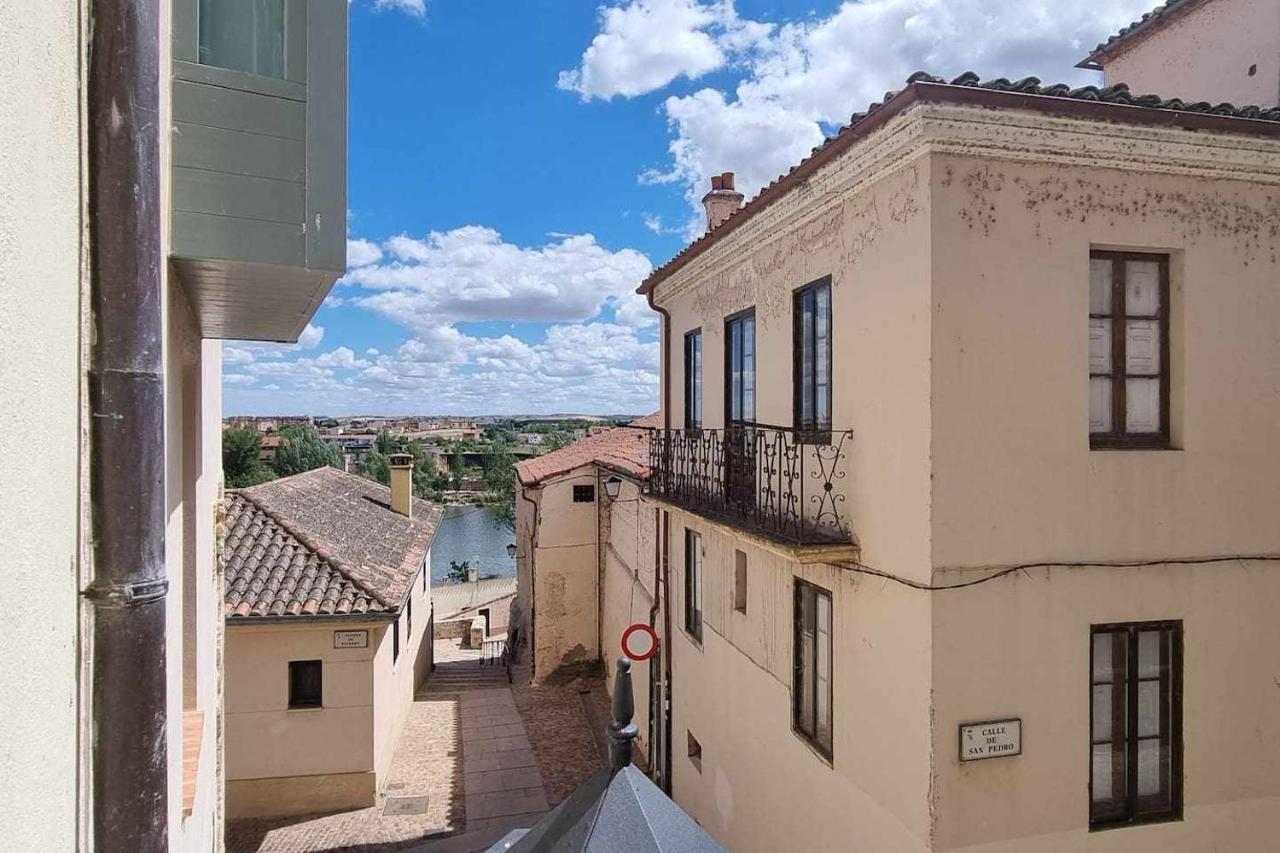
(306, 689)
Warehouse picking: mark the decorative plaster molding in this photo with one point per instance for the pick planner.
(1021, 136)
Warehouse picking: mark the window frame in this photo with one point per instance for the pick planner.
(1119, 438)
(693, 584)
(802, 587)
(693, 391)
(739, 319)
(584, 489)
(810, 430)
(1131, 816)
(295, 704)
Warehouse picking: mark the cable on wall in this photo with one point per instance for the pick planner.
(1080, 564)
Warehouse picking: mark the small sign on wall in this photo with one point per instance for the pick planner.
(994, 739)
(351, 639)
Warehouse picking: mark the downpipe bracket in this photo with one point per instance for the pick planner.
(127, 595)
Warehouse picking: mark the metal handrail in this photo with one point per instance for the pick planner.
(784, 483)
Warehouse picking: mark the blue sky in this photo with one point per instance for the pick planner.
(516, 167)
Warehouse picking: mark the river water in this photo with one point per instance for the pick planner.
(468, 533)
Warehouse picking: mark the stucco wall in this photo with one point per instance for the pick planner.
(761, 786)
(1020, 648)
(1014, 478)
(193, 401)
(565, 590)
(1207, 54)
(629, 589)
(394, 682)
(40, 287)
(1015, 481)
(867, 228)
(264, 737)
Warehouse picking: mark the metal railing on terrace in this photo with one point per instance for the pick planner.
(782, 483)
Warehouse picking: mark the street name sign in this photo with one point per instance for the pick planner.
(992, 739)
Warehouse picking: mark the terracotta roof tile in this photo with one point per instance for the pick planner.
(1256, 119)
(321, 543)
(625, 449)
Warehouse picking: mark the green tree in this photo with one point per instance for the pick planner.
(377, 467)
(302, 449)
(386, 443)
(500, 479)
(457, 571)
(240, 465)
(240, 449)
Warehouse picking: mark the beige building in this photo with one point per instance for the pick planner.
(562, 518)
(1199, 50)
(959, 528)
(119, 281)
(329, 618)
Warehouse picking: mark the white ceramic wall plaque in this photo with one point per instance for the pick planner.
(350, 639)
(994, 739)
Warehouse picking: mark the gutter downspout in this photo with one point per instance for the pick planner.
(665, 545)
(129, 762)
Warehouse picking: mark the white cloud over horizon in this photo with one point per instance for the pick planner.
(597, 350)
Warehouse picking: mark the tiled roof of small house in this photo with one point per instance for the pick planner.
(269, 572)
(1106, 103)
(322, 542)
(624, 449)
(1149, 21)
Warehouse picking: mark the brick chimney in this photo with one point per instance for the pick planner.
(402, 483)
(721, 201)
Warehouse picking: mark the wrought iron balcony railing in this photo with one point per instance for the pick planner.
(782, 483)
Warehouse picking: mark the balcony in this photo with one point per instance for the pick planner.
(780, 483)
(258, 205)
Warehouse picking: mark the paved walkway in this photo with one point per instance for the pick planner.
(476, 749)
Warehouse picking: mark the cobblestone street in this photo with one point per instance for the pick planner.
(487, 757)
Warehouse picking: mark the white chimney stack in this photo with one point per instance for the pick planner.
(722, 201)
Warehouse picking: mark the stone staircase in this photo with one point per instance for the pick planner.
(459, 669)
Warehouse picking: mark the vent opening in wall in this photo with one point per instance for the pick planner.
(1253, 69)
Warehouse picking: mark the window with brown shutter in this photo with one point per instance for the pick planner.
(1128, 350)
(1135, 727)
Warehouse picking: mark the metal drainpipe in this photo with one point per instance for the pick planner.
(129, 764)
(666, 544)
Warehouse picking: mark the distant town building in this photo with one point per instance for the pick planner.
(329, 622)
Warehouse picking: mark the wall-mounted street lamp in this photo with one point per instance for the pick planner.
(511, 550)
(611, 487)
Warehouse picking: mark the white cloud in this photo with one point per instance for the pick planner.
(362, 252)
(238, 379)
(803, 77)
(645, 45)
(310, 337)
(472, 274)
(417, 8)
(598, 352)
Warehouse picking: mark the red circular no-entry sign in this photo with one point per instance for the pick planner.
(643, 654)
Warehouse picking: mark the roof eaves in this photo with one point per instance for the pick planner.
(1124, 39)
(1028, 93)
